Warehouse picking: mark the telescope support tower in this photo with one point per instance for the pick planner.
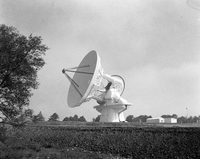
(111, 113)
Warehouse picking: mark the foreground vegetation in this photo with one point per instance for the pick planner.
(103, 141)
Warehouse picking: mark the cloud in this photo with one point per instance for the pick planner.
(143, 32)
(194, 4)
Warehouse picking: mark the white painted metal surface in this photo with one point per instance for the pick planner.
(111, 113)
(170, 120)
(87, 84)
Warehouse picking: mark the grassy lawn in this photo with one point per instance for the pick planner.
(101, 140)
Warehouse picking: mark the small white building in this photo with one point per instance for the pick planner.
(155, 120)
(170, 120)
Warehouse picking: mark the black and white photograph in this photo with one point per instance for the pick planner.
(99, 79)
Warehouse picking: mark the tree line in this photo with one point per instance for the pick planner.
(28, 116)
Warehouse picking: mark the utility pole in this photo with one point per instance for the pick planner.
(187, 114)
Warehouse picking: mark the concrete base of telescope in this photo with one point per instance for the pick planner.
(112, 113)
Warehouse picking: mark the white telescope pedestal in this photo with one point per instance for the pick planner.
(111, 113)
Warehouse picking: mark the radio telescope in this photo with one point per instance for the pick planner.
(88, 83)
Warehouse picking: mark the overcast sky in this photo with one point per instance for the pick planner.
(153, 44)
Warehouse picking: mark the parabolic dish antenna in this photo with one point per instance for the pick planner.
(87, 83)
(84, 79)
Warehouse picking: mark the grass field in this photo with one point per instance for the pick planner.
(101, 140)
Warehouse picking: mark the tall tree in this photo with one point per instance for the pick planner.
(195, 119)
(38, 117)
(174, 116)
(28, 113)
(97, 119)
(66, 119)
(54, 117)
(170, 116)
(20, 60)
(141, 118)
(130, 118)
(75, 118)
(25, 116)
(82, 119)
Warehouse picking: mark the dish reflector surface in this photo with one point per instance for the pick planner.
(90, 64)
